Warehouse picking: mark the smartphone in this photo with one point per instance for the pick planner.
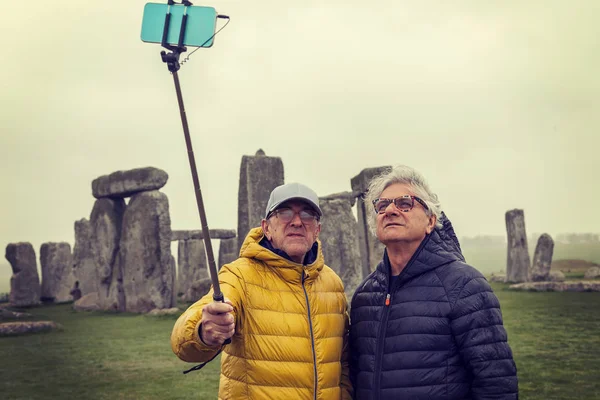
(199, 28)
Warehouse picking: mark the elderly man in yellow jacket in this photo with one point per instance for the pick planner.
(285, 311)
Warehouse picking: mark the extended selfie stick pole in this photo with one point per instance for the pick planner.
(172, 60)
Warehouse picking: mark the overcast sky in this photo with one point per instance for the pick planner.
(496, 103)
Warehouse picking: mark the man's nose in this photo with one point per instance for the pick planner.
(391, 209)
(296, 221)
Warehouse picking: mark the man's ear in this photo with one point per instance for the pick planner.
(264, 224)
(431, 225)
(318, 231)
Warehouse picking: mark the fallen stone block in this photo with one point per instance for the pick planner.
(88, 302)
(497, 278)
(569, 286)
(25, 327)
(6, 314)
(157, 312)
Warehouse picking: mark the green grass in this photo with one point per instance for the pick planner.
(554, 337)
(555, 341)
(100, 356)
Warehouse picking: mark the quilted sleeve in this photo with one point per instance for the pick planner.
(185, 339)
(476, 323)
(346, 385)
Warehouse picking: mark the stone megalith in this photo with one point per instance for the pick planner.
(116, 289)
(145, 253)
(121, 184)
(371, 249)
(542, 259)
(58, 278)
(228, 251)
(192, 264)
(517, 260)
(197, 290)
(259, 175)
(173, 282)
(340, 242)
(84, 265)
(25, 289)
(106, 221)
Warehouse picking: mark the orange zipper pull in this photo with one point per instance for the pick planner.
(387, 299)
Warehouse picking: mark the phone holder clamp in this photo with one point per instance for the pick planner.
(172, 58)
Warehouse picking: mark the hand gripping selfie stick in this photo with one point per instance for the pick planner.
(172, 61)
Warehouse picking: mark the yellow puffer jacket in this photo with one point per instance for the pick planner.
(290, 339)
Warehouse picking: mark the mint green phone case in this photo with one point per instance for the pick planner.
(199, 28)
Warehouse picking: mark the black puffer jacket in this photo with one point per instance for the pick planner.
(441, 337)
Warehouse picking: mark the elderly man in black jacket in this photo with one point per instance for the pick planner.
(424, 324)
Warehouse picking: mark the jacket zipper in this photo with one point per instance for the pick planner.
(382, 328)
(380, 342)
(312, 337)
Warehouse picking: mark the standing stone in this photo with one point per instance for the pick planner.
(127, 183)
(84, 266)
(259, 175)
(542, 258)
(173, 281)
(517, 260)
(227, 251)
(145, 253)
(25, 287)
(106, 221)
(371, 249)
(57, 272)
(197, 290)
(340, 242)
(191, 264)
(116, 289)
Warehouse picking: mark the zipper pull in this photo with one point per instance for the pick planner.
(387, 299)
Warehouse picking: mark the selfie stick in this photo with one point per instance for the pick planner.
(172, 60)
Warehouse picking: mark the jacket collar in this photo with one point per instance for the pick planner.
(309, 258)
(437, 248)
(290, 271)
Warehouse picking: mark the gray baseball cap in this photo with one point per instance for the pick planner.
(292, 191)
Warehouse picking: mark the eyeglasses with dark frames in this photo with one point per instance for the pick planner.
(403, 203)
(286, 215)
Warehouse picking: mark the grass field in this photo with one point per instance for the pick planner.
(554, 337)
(99, 356)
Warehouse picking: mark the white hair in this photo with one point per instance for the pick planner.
(405, 175)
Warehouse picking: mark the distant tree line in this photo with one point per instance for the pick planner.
(572, 238)
(500, 240)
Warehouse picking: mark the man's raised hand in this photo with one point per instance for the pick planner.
(217, 323)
